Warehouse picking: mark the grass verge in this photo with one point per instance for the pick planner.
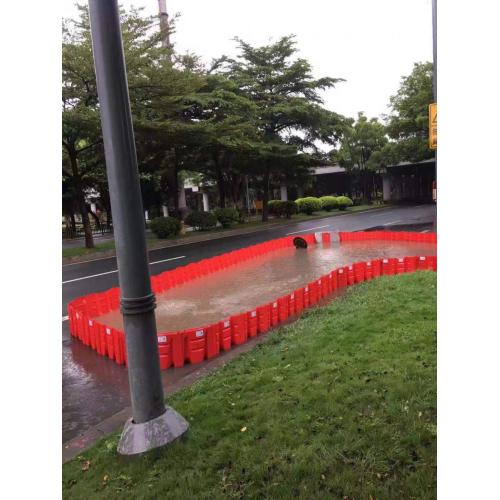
(340, 404)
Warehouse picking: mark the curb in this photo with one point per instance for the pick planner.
(198, 239)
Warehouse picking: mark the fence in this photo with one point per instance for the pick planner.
(78, 232)
(205, 342)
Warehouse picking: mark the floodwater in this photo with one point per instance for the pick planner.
(245, 286)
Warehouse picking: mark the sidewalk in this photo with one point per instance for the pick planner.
(196, 237)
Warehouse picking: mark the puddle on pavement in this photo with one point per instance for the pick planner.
(214, 297)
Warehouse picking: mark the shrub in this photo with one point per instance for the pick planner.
(164, 227)
(227, 216)
(202, 221)
(343, 202)
(282, 208)
(328, 203)
(308, 205)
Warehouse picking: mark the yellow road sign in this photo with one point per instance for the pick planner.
(433, 126)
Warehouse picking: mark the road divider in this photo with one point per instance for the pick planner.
(206, 342)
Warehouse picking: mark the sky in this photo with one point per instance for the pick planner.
(369, 43)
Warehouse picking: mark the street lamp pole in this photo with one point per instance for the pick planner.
(152, 423)
(434, 47)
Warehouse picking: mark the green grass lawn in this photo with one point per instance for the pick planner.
(152, 240)
(340, 404)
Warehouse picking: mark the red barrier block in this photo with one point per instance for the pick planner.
(376, 267)
(422, 263)
(306, 297)
(400, 266)
(432, 262)
(110, 345)
(177, 348)
(313, 293)
(388, 267)
(325, 237)
(326, 285)
(283, 308)
(310, 238)
(333, 276)
(164, 351)
(252, 323)
(239, 328)
(349, 270)
(103, 303)
(410, 264)
(91, 337)
(119, 346)
(368, 271)
(225, 334)
(319, 288)
(274, 313)
(291, 304)
(264, 318)
(213, 341)
(341, 278)
(101, 339)
(359, 272)
(299, 300)
(194, 345)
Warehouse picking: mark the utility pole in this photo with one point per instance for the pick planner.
(434, 47)
(152, 424)
(164, 27)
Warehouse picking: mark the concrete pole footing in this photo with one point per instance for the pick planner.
(162, 430)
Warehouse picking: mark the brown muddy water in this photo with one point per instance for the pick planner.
(245, 286)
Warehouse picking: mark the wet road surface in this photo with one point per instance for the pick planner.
(94, 387)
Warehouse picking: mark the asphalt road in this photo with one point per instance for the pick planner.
(94, 388)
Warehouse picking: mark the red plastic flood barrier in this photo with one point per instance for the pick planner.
(283, 308)
(225, 334)
(252, 323)
(299, 300)
(239, 328)
(325, 237)
(213, 340)
(195, 345)
(264, 318)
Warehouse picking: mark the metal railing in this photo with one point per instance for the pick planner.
(68, 233)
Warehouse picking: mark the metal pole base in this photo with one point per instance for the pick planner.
(162, 430)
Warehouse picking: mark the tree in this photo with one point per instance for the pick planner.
(408, 124)
(289, 113)
(361, 144)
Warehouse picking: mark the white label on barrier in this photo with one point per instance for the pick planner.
(319, 282)
(162, 339)
(90, 323)
(77, 317)
(108, 331)
(400, 260)
(341, 271)
(385, 261)
(306, 289)
(200, 333)
(292, 296)
(275, 304)
(422, 258)
(226, 324)
(350, 268)
(253, 314)
(368, 264)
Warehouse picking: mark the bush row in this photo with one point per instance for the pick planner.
(165, 227)
(308, 205)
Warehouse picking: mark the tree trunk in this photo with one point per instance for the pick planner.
(221, 185)
(89, 240)
(265, 196)
(73, 222)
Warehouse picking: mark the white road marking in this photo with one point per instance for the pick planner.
(116, 270)
(391, 223)
(166, 260)
(309, 229)
(425, 231)
(65, 318)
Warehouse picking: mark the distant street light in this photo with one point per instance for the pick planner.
(152, 423)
